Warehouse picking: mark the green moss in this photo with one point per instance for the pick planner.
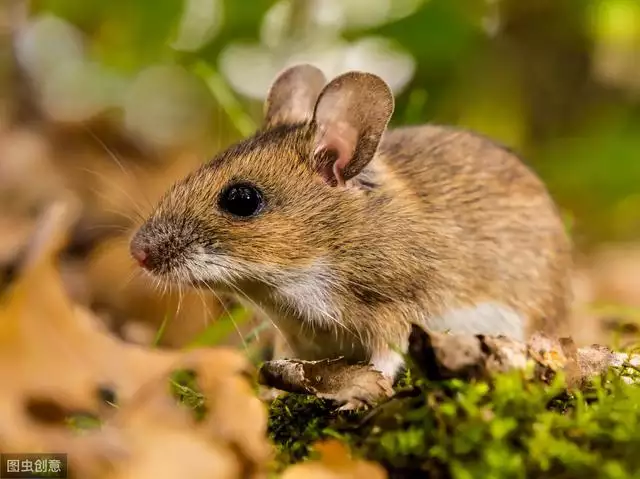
(184, 387)
(83, 422)
(296, 422)
(511, 428)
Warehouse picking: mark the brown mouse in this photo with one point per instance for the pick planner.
(345, 232)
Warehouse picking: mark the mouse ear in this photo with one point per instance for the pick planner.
(293, 95)
(351, 114)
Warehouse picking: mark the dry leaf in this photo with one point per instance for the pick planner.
(335, 463)
(57, 360)
(28, 177)
(229, 443)
(14, 233)
(465, 356)
(352, 385)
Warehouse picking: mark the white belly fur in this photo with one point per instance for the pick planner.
(483, 318)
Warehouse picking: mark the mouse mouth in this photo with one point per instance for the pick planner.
(209, 269)
(170, 256)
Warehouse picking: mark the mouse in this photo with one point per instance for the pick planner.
(345, 230)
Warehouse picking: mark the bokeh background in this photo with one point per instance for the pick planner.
(110, 101)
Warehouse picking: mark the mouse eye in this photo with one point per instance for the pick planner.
(241, 199)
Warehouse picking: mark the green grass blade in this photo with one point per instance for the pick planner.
(160, 331)
(221, 328)
(225, 98)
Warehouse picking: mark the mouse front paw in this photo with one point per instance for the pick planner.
(352, 386)
(361, 387)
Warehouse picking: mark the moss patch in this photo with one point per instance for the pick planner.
(184, 387)
(511, 428)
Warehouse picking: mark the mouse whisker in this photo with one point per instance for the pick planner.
(130, 277)
(137, 211)
(199, 264)
(230, 316)
(164, 286)
(239, 292)
(156, 285)
(115, 159)
(178, 288)
(208, 315)
(341, 324)
(263, 279)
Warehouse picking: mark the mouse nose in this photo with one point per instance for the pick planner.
(140, 253)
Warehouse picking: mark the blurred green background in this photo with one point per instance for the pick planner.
(558, 80)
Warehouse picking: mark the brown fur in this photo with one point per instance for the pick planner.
(440, 218)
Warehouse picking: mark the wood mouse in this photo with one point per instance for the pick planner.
(345, 232)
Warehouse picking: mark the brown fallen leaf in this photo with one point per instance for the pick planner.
(57, 361)
(150, 435)
(354, 386)
(15, 231)
(444, 356)
(335, 463)
(162, 437)
(28, 177)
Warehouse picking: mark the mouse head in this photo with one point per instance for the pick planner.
(280, 202)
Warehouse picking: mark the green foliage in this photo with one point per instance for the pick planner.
(83, 422)
(295, 422)
(160, 331)
(241, 121)
(567, 108)
(511, 428)
(540, 83)
(185, 389)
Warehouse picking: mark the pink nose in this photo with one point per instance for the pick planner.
(139, 254)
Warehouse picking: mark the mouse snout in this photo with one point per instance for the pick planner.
(141, 251)
(160, 249)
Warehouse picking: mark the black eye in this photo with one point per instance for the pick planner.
(241, 199)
